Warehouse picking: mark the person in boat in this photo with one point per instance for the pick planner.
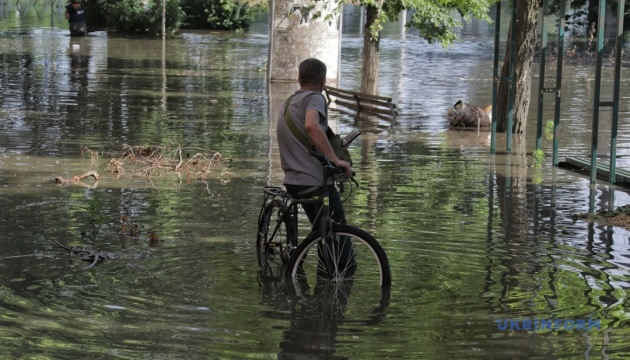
(75, 14)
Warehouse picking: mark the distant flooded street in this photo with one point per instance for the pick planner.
(474, 239)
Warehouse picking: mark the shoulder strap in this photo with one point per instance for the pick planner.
(300, 136)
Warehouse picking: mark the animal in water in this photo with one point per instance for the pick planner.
(469, 116)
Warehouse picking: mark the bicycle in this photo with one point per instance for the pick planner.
(324, 255)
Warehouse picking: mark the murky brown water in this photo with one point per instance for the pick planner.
(472, 238)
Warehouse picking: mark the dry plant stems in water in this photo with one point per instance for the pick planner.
(93, 155)
(150, 160)
(620, 217)
(127, 228)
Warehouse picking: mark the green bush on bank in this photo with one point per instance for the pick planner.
(218, 14)
(145, 16)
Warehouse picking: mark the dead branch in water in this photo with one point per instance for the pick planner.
(127, 228)
(619, 217)
(115, 166)
(76, 179)
(149, 160)
(93, 155)
(86, 254)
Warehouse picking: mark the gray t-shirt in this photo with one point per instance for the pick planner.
(300, 168)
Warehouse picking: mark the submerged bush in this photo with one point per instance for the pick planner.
(143, 17)
(218, 14)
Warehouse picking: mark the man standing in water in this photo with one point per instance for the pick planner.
(307, 111)
(75, 14)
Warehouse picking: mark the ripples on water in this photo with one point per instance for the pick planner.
(471, 238)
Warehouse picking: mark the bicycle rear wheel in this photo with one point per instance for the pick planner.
(352, 256)
(275, 238)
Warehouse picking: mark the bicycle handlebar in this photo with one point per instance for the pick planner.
(332, 166)
(326, 161)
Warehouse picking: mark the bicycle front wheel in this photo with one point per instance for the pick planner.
(351, 255)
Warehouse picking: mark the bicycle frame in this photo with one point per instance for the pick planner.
(271, 193)
(287, 206)
(326, 222)
(332, 249)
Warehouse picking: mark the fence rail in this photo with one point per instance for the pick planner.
(380, 105)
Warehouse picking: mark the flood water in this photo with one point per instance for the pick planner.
(473, 239)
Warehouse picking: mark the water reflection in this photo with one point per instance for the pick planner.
(471, 237)
(320, 319)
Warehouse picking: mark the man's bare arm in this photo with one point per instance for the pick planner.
(320, 140)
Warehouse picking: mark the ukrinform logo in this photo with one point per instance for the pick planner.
(549, 324)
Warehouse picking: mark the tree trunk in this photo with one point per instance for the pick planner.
(295, 34)
(371, 56)
(526, 22)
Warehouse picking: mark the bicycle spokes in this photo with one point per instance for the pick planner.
(336, 258)
(351, 262)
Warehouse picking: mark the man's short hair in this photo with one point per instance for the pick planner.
(312, 71)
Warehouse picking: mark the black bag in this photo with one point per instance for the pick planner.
(337, 144)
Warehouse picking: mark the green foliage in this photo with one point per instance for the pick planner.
(94, 218)
(436, 19)
(218, 14)
(229, 15)
(549, 126)
(94, 211)
(136, 17)
(195, 14)
(539, 158)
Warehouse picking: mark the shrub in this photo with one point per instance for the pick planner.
(143, 17)
(230, 15)
(218, 14)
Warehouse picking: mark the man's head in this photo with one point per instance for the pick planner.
(312, 72)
